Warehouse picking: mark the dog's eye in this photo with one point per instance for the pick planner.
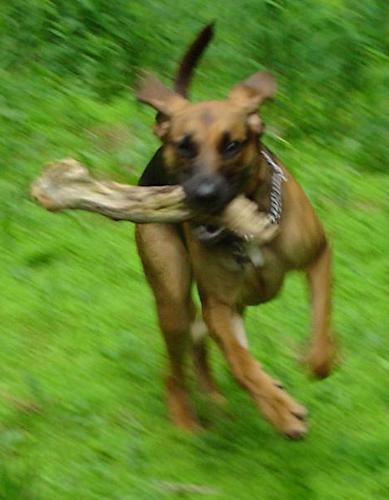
(186, 148)
(232, 148)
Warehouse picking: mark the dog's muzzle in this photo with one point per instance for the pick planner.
(211, 192)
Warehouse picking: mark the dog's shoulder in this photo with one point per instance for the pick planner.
(155, 172)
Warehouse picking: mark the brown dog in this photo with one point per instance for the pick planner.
(213, 150)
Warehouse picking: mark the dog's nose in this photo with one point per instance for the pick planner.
(209, 190)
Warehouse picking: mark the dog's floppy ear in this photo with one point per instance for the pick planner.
(250, 93)
(151, 91)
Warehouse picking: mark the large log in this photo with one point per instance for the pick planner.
(66, 184)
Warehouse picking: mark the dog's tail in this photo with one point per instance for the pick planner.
(191, 59)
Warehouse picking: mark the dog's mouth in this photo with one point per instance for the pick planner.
(209, 234)
(209, 194)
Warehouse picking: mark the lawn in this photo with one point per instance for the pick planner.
(82, 411)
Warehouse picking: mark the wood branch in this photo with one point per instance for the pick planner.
(66, 184)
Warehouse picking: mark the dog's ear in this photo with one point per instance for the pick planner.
(251, 93)
(154, 93)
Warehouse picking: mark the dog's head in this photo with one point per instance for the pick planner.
(211, 147)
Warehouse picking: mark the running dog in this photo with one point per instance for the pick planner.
(214, 150)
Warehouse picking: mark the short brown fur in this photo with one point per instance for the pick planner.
(172, 261)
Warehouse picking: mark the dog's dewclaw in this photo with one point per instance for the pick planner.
(66, 184)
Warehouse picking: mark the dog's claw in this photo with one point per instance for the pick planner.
(296, 434)
(300, 415)
(298, 427)
(283, 412)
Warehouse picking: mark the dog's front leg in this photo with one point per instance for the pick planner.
(225, 325)
(165, 261)
(320, 355)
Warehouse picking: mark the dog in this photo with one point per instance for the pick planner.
(214, 149)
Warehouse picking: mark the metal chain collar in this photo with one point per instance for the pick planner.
(278, 177)
(244, 252)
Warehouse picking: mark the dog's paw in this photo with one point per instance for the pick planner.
(283, 412)
(185, 420)
(217, 398)
(320, 359)
(181, 413)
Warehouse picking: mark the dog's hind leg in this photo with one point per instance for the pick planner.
(167, 269)
(320, 355)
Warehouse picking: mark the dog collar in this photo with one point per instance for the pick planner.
(213, 235)
(275, 210)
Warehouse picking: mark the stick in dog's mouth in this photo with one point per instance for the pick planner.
(68, 185)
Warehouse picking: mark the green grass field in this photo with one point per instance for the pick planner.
(82, 411)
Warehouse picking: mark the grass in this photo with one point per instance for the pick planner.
(81, 399)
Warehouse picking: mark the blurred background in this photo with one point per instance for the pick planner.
(81, 399)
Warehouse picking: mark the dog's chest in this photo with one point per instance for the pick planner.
(241, 274)
(262, 275)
